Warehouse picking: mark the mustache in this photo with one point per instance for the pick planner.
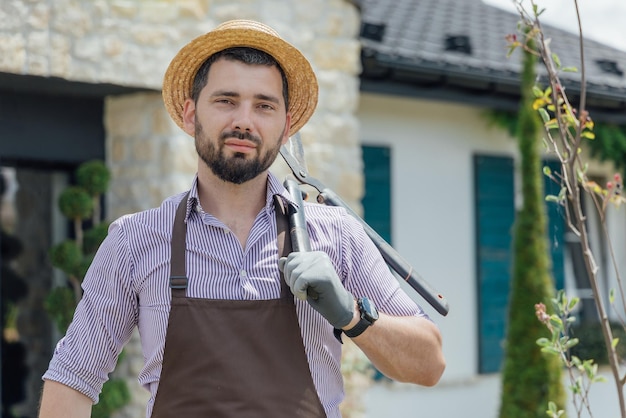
(240, 135)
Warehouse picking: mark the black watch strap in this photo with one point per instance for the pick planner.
(358, 329)
(369, 315)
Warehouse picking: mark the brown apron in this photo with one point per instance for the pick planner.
(233, 358)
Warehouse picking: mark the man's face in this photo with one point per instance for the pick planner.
(239, 121)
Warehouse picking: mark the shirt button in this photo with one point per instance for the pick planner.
(242, 273)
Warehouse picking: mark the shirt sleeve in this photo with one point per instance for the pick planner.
(365, 272)
(103, 321)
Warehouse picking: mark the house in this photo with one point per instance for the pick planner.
(81, 79)
(431, 69)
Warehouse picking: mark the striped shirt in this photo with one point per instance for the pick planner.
(127, 286)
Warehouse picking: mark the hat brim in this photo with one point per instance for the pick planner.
(302, 83)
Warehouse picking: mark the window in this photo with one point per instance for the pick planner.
(377, 197)
(494, 217)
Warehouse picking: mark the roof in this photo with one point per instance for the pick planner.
(456, 49)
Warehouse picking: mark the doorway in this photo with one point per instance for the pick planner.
(47, 128)
(31, 224)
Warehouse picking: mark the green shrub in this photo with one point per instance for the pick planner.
(93, 176)
(74, 257)
(75, 203)
(67, 256)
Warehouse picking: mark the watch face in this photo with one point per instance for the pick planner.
(368, 309)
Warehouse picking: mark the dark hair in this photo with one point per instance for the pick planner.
(247, 55)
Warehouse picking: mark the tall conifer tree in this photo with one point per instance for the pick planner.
(530, 378)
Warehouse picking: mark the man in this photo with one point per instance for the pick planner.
(221, 331)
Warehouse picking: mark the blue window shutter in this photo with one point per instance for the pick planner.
(495, 214)
(377, 197)
(556, 224)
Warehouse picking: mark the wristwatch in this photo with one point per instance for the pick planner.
(369, 315)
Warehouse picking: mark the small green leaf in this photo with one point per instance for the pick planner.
(544, 115)
(590, 369)
(537, 92)
(556, 322)
(572, 303)
(612, 296)
(547, 171)
(552, 198)
(569, 69)
(550, 350)
(575, 389)
(556, 60)
(511, 50)
(552, 124)
(543, 342)
(570, 343)
(552, 407)
(614, 342)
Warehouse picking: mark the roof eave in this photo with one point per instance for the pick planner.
(497, 89)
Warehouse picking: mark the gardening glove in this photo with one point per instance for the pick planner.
(312, 277)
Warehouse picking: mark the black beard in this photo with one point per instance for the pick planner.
(236, 169)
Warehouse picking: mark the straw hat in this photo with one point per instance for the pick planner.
(302, 82)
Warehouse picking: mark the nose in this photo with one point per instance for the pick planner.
(242, 119)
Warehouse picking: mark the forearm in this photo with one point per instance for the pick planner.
(60, 401)
(406, 349)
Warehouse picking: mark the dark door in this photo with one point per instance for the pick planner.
(44, 135)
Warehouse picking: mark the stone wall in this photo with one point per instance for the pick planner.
(130, 43)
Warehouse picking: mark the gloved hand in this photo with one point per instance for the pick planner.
(312, 277)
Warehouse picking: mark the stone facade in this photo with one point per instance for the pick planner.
(130, 43)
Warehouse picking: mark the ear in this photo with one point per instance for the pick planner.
(189, 117)
(287, 128)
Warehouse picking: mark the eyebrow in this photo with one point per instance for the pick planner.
(259, 96)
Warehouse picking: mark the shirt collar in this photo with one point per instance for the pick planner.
(274, 187)
(193, 203)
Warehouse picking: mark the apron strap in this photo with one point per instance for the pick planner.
(284, 239)
(178, 274)
(282, 227)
